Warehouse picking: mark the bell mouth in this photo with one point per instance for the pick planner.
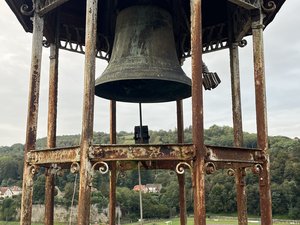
(144, 90)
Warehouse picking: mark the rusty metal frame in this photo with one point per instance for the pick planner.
(88, 113)
(261, 118)
(32, 117)
(177, 152)
(199, 158)
(51, 136)
(113, 169)
(238, 133)
(197, 114)
(181, 177)
(50, 172)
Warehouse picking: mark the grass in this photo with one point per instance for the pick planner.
(212, 221)
(190, 221)
(18, 223)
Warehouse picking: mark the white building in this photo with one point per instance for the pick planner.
(8, 192)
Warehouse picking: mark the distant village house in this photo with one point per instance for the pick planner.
(9, 192)
(148, 188)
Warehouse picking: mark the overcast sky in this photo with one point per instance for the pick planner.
(282, 62)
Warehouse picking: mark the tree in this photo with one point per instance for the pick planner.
(253, 199)
(279, 201)
(170, 197)
(7, 209)
(8, 168)
(99, 199)
(39, 189)
(68, 194)
(216, 199)
(129, 202)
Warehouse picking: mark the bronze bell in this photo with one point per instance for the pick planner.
(144, 66)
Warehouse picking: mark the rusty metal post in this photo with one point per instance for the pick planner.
(88, 113)
(113, 170)
(181, 177)
(32, 116)
(197, 114)
(51, 135)
(49, 197)
(238, 132)
(261, 119)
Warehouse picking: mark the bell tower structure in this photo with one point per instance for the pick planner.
(144, 42)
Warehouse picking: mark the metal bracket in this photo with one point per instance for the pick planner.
(257, 169)
(24, 9)
(270, 6)
(75, 167)
(102, 168)
(231, 172)
(242, 43)
(180, 169)
(210, 168)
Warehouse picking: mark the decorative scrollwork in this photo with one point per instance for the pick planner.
(33, 169)
(45, 43)
(103, 54)
(121, 170)
(180, 167)
(55, 170)
(257, 169)
(271, 6)
(75, 39)
(75, 167)
(156, 153)
(242, 43)
(25, 10)
(103, 167)
(231, 172)
(210, 167)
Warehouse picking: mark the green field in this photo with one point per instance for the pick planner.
(175, 221)
(214, 221)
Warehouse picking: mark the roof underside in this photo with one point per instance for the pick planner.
(217, 17)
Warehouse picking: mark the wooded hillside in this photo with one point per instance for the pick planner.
(220, 193)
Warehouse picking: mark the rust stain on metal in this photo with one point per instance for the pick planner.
(197, 113)
(56, 155)
(181, 177)
(231, 154)
(88, 113)
(238, 133)
(261, 120)
(32, 116)
(142, 152)
(49, 197)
